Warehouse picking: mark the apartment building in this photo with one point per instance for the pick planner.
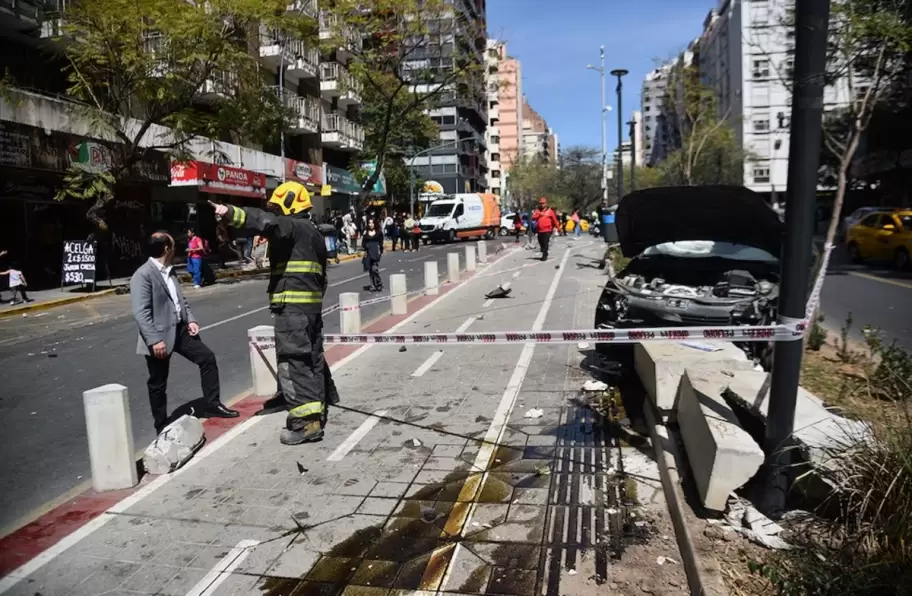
(505, 92)
(746, 56)
(538, 140)
(637, 136)
(495, 51)
(651, 100)
(460, 164)
(41, 138)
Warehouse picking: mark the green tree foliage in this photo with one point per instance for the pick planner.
(191, 67)
(708, 151)
(408, 55)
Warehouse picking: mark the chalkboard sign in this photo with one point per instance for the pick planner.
(78, 263)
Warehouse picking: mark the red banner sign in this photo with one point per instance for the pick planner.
(225, 180)
(305, 173)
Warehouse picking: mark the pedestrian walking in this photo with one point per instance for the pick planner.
(518, 226)
(546, 220)
(408, 231)
(297, 283)
(391, 231)
(563, 223)
(416, 235)
(4, 266)
(349, 232)
(577, 224)
(17, 283)
(372, 243)
(167, 326)
(196, 250)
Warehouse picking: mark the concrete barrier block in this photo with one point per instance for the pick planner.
(349, 312)
(470, 257)
(174, 446)
(482, 252)
(431, 281)
(262, 340)
(723, 457)
(660, 365)
(110, 434)
(453, 267)
(398, 294)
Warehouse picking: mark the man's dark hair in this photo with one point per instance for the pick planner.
(158, 243)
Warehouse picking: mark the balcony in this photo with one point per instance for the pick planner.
(304, 116)
(301, 62)
(50, 13)
(336, 81)
(304, 7)
(494, 112)
(23, 15)
(331, 28)
(217, 87)
(341, 133)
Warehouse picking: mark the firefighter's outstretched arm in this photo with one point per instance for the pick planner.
(248, 220)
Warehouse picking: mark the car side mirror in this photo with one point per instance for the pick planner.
(888, 228)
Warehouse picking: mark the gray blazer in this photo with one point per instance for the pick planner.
(153, 309)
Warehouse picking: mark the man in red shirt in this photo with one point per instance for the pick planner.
(546, 219)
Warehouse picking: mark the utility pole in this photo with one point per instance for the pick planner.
(811, 25)
(282, 39)
(604, 109)
(633, 155)
(620, 72)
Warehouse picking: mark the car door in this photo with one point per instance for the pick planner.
(882, 236)
(861, 234)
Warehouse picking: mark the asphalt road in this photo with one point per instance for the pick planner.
(48, 359)
(874, 295)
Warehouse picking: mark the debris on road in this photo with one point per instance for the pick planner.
(501, 291)
(582, 345)
(413, 443)
(534, 413)
(595, 386)
(663, 560)
(742, 517)
(174, 446)
(301, 469)
(402, 349)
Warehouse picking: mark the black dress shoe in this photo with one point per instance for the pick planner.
(220, 411)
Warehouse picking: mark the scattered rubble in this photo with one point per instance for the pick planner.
(742, 517)
(534, 413)
(174, 446)
(595, 386)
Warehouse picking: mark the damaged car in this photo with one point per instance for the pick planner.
(700, 256)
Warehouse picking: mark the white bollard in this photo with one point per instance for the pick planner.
(470, 258)
(349, 313)
(264, 381)
(431, 282)
(482, 252)
(398, 294)
(110, 433)
(453, 267)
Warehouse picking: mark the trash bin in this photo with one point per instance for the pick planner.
(607, 225)
(329, 237)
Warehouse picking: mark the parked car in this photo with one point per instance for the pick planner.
(855, 217)
(882, 237)
(507, 222)
(700, 256)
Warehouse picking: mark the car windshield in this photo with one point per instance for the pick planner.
(699, 249)
(439, 210)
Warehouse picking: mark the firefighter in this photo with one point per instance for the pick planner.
(297, 282)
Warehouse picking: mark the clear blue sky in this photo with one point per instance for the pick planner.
(555, 40)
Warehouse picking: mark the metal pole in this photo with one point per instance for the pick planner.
(282, 102)
(604, 112)
(633, 155)
(620, 164)
(412, 187)
(811, 21)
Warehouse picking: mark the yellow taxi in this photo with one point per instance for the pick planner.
(882, 236)
(584, 225)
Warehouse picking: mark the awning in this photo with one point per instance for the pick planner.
(223, 180)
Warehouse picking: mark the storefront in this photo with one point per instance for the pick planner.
(34, 224)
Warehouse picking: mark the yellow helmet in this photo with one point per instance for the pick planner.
(291, 198)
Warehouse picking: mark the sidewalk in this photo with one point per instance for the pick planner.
(463, 470)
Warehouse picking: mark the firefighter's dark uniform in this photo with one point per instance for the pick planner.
(297, 281)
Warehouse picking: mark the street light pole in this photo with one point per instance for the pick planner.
(620, 72)
(412, 170)
(604, 109)
(811, 23)
(633, 155)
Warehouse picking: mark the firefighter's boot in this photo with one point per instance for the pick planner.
(276, 403)
(309, 432)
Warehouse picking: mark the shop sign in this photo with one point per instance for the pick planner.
(380, 186)
(91, 157)
(302, 172)
(342, 181)
(218, 179)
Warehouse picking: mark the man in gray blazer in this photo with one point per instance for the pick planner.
(167, 325)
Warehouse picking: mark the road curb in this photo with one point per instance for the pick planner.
(701, 579)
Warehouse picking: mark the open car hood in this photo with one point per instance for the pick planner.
(732, 214)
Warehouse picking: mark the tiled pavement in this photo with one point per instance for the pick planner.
(421, 504)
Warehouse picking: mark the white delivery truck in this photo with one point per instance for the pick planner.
(463, 216)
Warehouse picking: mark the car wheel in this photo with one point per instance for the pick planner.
(901, 259)
(855, 252)
(504, 232)
(451, 236)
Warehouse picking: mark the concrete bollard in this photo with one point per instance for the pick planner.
(470, 258)
(398, 293)
(431, 287)
(453, 267)
(482, 252)
(264, 381)
(110, 433)
(349, 313)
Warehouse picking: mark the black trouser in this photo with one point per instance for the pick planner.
(518, 234)
(394, 240)
(193, 349)
(301, 366)
(544, 240)
(21, 289)
(374, 271)
(416, 240)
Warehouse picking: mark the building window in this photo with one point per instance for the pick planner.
(648, 119)
(497, 190)
(761, 175)
(647, 108)
(449, 168)
(495, 157)
(760, 94)
(495, 173)
(762, 124)
(495, 140)
(759, 13)
(448, 120)
(761, 69)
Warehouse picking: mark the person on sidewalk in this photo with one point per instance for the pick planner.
(196, 250)
(518, 226)
(17, 284)
(416, 236)
(373, 250)
(166, 326)
(577, 228)
(546, 221)
(297, 283)
(408, 227)
(4, 266)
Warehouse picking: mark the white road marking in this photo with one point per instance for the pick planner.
(431, 361)
(223, 569)
(488, 303)
(353, 439)
(26, 569)
(468, 323)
